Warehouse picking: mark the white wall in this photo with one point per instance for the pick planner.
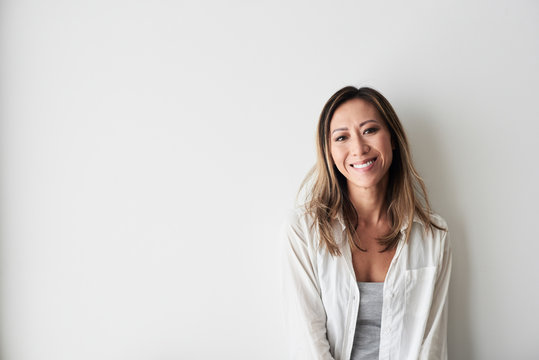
(150, 150)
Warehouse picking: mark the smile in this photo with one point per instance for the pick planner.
(364, 165)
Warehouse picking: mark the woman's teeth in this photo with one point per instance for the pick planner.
(361, 166)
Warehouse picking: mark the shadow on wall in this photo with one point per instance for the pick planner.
(432, 163)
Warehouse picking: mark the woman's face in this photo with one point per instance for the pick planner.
(360, 144)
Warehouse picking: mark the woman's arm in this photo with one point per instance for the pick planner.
(305, 313)
(435, 340)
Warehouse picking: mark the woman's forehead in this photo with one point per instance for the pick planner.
(355, 112)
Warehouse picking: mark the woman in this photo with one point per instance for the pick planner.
(367, 262)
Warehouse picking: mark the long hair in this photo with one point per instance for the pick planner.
(328, 197)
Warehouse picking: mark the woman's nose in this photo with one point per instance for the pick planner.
(361, 147)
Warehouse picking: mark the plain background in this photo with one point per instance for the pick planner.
(150, 151)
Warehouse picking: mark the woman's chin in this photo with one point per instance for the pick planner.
(375, 183)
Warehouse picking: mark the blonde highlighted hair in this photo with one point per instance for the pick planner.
(327, 194)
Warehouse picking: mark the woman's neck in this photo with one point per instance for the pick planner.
(370, 203)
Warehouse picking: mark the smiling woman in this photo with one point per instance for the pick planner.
(367, 261)
(361, 146)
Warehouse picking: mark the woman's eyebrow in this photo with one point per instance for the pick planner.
(368, 121)
(339, 129)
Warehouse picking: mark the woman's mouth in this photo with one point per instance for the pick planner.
(363, 165)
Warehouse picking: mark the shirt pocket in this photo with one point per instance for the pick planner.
(419, 289)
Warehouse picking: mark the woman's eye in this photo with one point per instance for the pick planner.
(370, 131)
(340, 138)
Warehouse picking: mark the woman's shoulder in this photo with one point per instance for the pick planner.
(298, 218)
(434, 222)
(297, 228)
(435, 234)
(437, 220)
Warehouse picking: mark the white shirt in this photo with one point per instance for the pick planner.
(322, 296)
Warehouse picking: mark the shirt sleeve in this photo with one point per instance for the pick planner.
(435, 339)
(304, 310)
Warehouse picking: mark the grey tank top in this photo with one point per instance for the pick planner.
(369, 318)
